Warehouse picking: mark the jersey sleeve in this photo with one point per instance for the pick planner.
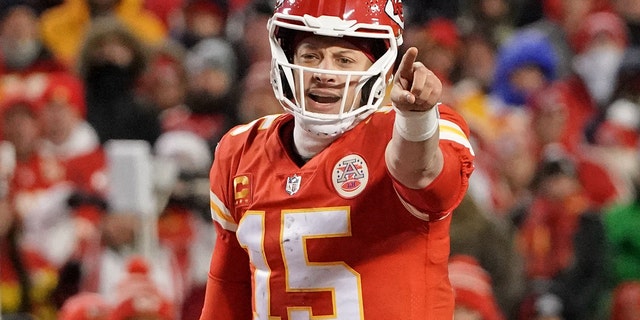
(228, 290)
(220, 187)
(440, 197)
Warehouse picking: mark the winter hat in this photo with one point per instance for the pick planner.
(190, 151)
(472, 287)
(138, 296)
(85, 306)
(67, 89)
(443, 32)
(523, 49)
(212, 53)
(596, 24)
(621, 126)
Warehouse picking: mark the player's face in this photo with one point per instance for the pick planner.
(325, 92)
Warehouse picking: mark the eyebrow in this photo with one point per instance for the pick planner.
(342, 51)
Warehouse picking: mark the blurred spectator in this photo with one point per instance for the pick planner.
(85, 306)
(622, 222)
(616, 135)
(138, 297)
(492, 100)
(239, 5)
(62, 114)
(441, 47)
(40, 194)
(626, 301)
(473, 101)
(550, 119)
(620, 125)
(248, 34)
(164, 83)
(490, 241)
(493, 18)
(211, 97)
(561, 19)
(599, 42)
(563, 242)
(182, 105)
(257, 99)
(21, 48)
(564, 112)
(212, 68)
(513, 163)
(168, 11)
(438, 43)
(477, 64)
(526, 63)
(33, 213)
(64, 28)
(473, 290)
(27, 278)
(184, 226)
(203, 19)
(111, 62)
(70, 137)
(24, 61)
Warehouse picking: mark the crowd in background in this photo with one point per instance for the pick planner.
(550, 89)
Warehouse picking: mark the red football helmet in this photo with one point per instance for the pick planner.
(378, 23)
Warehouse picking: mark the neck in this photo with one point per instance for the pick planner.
(309, 144)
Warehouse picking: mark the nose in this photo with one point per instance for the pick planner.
(325, 77)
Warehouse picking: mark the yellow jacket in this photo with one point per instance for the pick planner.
(64, 27)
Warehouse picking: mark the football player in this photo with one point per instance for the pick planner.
(340, 207)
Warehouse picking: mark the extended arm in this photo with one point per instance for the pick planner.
(413, 155)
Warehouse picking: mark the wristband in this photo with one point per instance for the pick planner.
(417, 125)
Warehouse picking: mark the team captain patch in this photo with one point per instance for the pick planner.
(350, 176)
(242, 190)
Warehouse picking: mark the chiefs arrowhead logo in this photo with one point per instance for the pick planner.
(393, 8)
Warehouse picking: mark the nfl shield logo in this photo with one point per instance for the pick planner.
(293, 184)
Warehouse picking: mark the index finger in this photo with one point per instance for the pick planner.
(405, 68)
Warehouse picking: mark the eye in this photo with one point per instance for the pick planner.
(309, 58)
(345, 61)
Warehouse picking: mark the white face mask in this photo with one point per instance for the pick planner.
(598, 67)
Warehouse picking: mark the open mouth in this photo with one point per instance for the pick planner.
(322, 98)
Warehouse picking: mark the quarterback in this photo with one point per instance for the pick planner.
(340, 207)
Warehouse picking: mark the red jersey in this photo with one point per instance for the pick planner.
(337, 237)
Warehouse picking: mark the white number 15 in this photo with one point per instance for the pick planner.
(303, 275)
